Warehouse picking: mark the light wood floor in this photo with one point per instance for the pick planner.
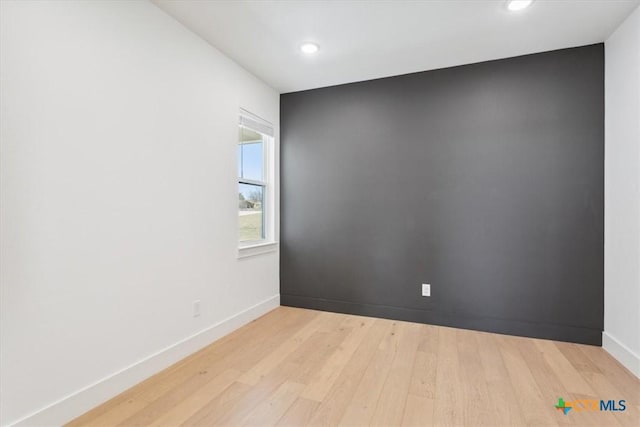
(296, 367)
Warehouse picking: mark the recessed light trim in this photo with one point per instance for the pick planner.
(515, 5)
(309, 48)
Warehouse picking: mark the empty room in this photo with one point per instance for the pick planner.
(319, 213)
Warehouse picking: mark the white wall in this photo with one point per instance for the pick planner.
(622, 194)
(118, 200)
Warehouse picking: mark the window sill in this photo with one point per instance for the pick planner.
(257, 249)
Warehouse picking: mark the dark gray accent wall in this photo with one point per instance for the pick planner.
(484, 180)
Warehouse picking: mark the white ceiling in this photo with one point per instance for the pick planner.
(361, 40)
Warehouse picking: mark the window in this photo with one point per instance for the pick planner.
(255, 206)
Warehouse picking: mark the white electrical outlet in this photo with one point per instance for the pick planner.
(426, 290)
(196, 308)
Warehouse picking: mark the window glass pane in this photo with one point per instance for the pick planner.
(250, 155)
(250, 210)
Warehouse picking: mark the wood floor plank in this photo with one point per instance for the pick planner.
(159, 407)
(474, 388)
(536, 410)
(418, 411)
(273, 359)
(576, 357)
(392, 399)
(299, 414)
(563, 369)
(318, 348)
(222, 404)
(448, 405)
(323, 380)
(193, 402)
(256, 395)
(274, 407)
(503, 403)
(545, 377)
(296, 367)
(423, 377)
(331, 409)
(363, 403)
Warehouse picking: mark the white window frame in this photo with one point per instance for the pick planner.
(268, 244)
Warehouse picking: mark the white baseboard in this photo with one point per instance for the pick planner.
(621, 353)
(80, 401)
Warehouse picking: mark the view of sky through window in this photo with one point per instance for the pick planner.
(250, 161)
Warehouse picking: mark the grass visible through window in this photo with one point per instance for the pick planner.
(250, 225)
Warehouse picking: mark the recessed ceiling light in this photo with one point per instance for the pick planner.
(309, 48)
(514, 5)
